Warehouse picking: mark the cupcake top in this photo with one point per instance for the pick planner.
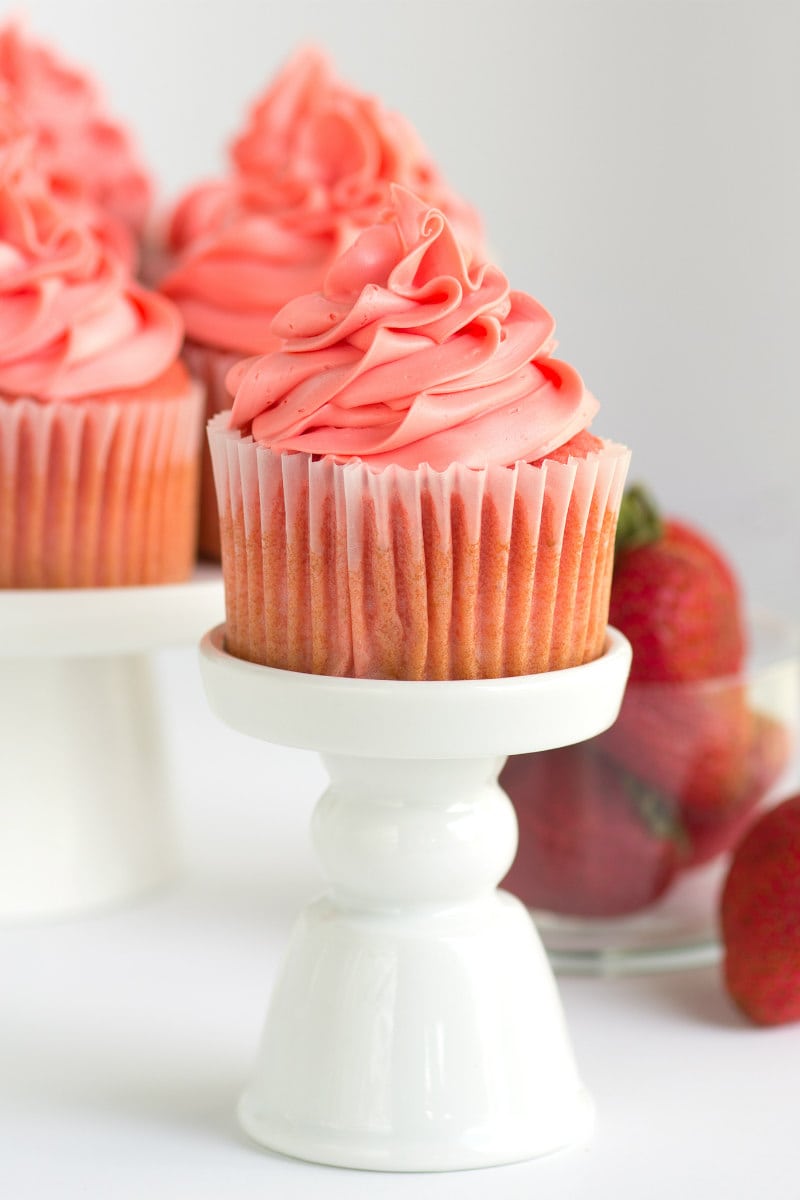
(72, 321)
(411, 355)
(312, 167)
(87, 156)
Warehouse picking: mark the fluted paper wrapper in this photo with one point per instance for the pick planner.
(98, 493)
(210, 367)
(414, 574)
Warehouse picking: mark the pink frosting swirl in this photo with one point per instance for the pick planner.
(408, 355)
(231, 284)
(72, 322)
(312, 168)
(84, 153)
(318, 146)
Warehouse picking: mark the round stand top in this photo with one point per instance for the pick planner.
(67, 622)
(383, 718)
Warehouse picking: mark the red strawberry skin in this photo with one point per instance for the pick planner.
(685, 726)
(701, 746)
(710, 833)
(592, 841)
(688, 740)
(677, 601)
(760, 918)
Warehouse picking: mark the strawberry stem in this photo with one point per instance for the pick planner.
(639, 520)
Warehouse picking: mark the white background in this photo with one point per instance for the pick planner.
(638, 167)
(637, 163)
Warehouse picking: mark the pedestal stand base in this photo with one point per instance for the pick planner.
(415, 1025)
(85, 819)
(416, 1043)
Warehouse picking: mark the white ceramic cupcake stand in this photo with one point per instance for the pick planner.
(415, 1024)
(85, 818)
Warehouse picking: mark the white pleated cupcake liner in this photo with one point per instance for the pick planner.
(414, 574)
(98, 493)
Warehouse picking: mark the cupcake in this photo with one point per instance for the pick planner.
(98, 416)
(89, 159)
(312, 167)
(407, 487)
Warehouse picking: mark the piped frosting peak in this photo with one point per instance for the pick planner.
(410, 354)
(72, 321)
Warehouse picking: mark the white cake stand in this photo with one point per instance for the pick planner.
(415, 1025)
(84, 813)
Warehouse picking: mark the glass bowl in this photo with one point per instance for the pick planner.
(624, 840)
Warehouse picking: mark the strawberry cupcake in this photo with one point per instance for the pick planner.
(312, 167)
(89, 159)
(98, 416)
(407, 486)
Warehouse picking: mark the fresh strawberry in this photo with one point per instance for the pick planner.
(674, 597)
(685, 727)
(760, 914)
(711, 833)
(688, 740)
(593, 841)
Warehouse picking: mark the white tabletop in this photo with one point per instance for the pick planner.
(125, 1037)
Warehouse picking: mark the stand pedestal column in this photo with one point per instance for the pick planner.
(84, 812)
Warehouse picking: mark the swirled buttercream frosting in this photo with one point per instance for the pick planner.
(311, 169)
(408, 355)
(72, 322)
(84, 153)
(315, 144)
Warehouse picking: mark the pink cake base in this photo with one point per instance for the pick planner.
(98, 493)
(414, 574)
